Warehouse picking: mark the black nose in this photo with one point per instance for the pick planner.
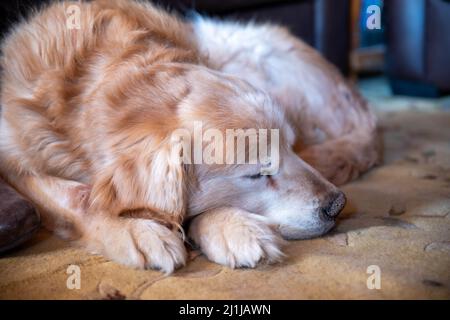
(334, 206)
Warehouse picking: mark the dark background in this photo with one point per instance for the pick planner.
(412, 48)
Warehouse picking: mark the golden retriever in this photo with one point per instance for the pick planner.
(89, 107)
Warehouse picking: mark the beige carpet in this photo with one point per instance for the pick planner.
(397, 218)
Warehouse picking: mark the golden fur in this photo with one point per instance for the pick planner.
(87, 116)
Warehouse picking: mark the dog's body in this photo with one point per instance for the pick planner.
(87, 116)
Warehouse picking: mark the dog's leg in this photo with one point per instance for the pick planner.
(235, 238)
(343, 159)
(140, 243)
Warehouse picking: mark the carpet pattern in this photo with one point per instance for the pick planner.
(397, 219)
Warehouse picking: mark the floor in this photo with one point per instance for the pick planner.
(392, 241)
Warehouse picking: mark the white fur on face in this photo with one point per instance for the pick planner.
(291, 199)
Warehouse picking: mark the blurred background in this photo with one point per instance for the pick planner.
(403, 45)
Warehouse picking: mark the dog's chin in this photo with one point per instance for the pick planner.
(295, 233)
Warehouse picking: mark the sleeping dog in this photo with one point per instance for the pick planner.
(89, 108)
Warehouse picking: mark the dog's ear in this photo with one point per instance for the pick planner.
(143, 179)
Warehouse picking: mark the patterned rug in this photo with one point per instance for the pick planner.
(392, 241)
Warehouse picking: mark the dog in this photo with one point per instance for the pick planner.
(88, 112)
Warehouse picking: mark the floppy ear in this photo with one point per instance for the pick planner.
(143, 180)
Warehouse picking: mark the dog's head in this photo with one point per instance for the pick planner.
(278, 184)
(205, 112)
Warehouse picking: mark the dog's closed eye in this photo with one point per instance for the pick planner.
(254, 176)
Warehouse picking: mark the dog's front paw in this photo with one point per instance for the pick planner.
(160, 247)
(139, 243)
(236, 238)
